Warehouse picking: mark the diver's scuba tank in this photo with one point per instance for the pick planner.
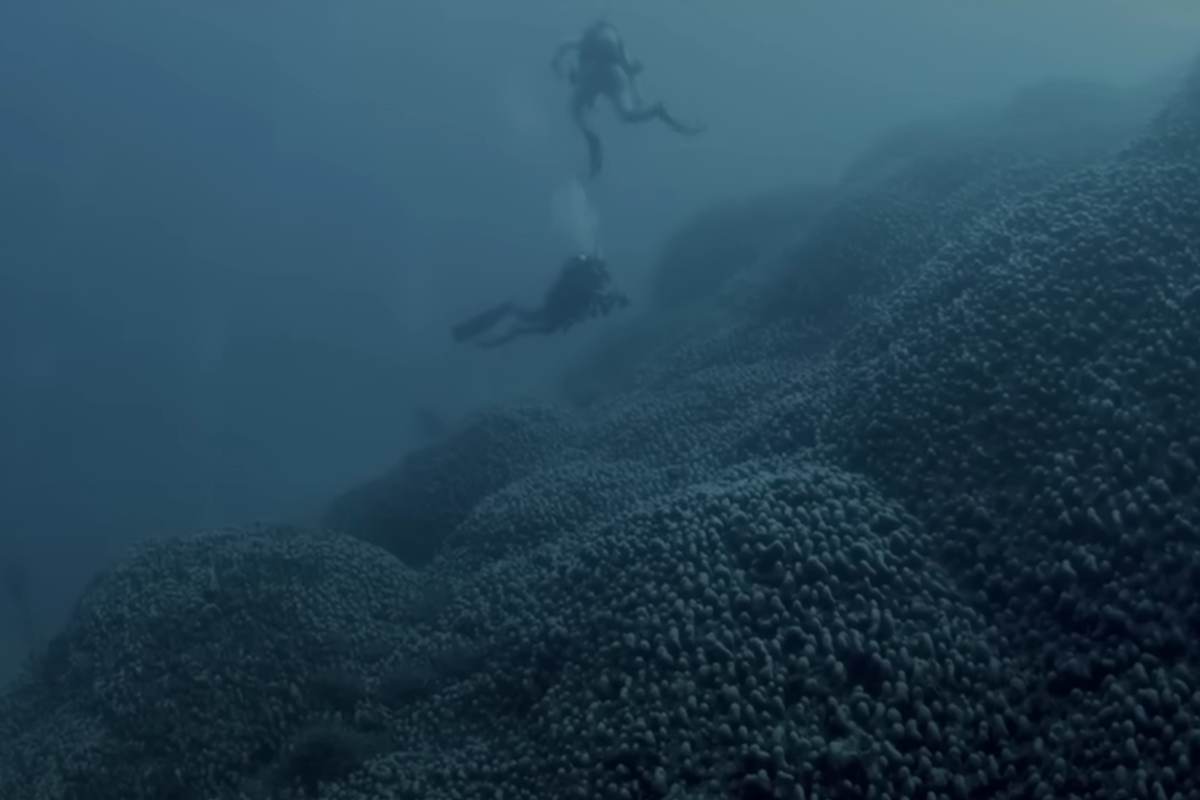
(600, 44)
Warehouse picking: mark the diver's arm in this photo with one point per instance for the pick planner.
(564, 49)
(611, 300)
(632, 66)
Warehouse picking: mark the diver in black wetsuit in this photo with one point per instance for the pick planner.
(602, 67)
(580, 292)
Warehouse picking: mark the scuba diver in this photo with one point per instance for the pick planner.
(602, 67)
(579, 292)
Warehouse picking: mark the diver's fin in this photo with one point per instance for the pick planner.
(677, 126)
(481, 322)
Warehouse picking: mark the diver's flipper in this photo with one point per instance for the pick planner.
(677, 126)
(479, 323)
(595, 153)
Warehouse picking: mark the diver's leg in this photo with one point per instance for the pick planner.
(503, 338)
(527, 321)
(631, 110)
(530, 317)
(580, 104)
(481, 322)
(512, 333)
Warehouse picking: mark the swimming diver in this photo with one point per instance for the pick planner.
(602, 67)
(579, 292)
